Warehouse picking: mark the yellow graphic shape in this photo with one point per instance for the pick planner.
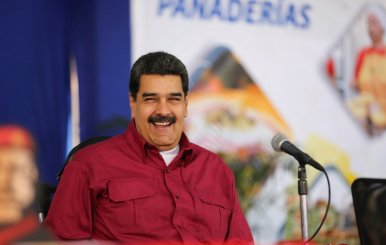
(328, 154)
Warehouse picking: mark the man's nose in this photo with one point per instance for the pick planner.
(163, 108)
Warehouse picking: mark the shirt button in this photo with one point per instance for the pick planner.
(177, 197)
(167, 170)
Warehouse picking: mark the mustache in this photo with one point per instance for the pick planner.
(162, 119)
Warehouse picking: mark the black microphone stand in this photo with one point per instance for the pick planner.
(303, 191)
(280, 143)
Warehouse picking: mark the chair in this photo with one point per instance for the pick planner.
(369, 199)
(47, 191)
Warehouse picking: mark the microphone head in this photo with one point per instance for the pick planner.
(277, 141)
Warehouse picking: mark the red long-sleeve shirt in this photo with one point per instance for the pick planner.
(121, 189)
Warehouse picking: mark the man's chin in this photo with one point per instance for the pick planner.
(164, 145)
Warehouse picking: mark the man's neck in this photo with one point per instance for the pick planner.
(169, 155)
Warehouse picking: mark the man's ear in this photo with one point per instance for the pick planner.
(186, 106)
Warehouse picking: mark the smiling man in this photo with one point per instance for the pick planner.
(150, 184)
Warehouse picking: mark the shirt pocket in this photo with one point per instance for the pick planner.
(215, 213)
(130, 203)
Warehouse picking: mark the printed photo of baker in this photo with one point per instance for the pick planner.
(356, 68)
(370, 75)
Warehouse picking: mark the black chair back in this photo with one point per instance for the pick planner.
(369, 199)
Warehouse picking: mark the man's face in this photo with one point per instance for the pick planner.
(159, 110)
(18, 175)
(375, 28)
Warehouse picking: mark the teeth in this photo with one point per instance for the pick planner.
(161, 123)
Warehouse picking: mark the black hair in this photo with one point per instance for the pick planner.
(157, 63)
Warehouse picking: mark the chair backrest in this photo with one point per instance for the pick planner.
(47, 191)
(369, 199)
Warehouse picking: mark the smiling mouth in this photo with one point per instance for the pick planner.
(162, 124)
(162, 121)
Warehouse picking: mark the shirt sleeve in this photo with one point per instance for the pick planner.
(70, 213)
(238, 231)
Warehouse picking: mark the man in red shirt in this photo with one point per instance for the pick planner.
(150, 184)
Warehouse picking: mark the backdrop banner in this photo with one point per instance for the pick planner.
(307, 69)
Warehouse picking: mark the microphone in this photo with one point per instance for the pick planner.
(280, 143)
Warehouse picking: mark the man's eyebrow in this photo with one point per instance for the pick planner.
(147, 94)
(176, 94)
